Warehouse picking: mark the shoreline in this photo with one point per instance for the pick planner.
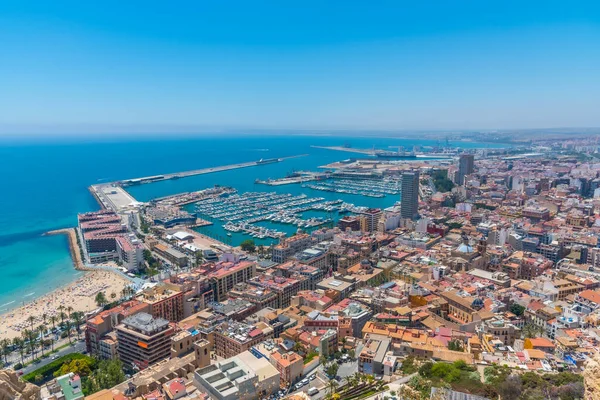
(78, 294)
(74, 248)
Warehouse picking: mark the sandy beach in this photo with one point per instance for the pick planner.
(79, 295)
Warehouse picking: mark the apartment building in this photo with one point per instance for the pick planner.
(312, 274)
(289, 364)
(143, 340)
(233, 338)
(97, 327)
(284, 287)
(225, 275)
(165, 302)
(290, 246)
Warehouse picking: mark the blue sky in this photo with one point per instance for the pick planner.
(310, 65)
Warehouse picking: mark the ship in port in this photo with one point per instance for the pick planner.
(395, 154)
(268, 161)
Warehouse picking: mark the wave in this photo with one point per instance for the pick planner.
(29, 294)
(7, 304)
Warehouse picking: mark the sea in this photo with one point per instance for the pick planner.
(45, 184)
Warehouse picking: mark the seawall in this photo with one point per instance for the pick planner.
(73, 247)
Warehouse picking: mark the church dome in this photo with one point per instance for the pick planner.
(465, 248)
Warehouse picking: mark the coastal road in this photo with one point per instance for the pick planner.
(77, 347)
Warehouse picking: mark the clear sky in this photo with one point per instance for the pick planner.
(298, 64)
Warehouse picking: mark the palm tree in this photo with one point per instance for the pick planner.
(44, 316)
(31, 320)
(113, 296)
(356, 377)
(26, 337)
(62, 315)
(78, 320)
(347, 381)
(5, 346)
(53, 319)
(41, 329)
(69, 311)
(261, 250)
(68, 328)
(19, 344)
(52, 343)
(331, 387)
(100, 299)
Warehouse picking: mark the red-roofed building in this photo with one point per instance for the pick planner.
(587, 301)
(98, 326)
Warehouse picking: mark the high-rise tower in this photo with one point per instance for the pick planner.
(409, 199)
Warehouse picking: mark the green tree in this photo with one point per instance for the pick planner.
(511, 388)
(101, 299)
(77, 321)
(332, 387)
(53, 319)
(108, 374)
(530, 331)
(494, 374)
(41, 329)
(19, 344)
(408, 366)
(68, 327)
(199, 257)
(456, 345)
(79, 366)
(425, 369)
(517, 309)
(441, 181)
(60, 309)
(31, 320)
(332, 369)
(5, 347)
(248, 246)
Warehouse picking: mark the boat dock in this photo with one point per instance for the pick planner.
(185, 174)
(114, 197)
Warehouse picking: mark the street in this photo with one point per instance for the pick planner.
(77, 347)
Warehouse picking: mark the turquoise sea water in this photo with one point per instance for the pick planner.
(44, 186)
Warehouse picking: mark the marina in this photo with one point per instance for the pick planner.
(243, 212)
(363, 187)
